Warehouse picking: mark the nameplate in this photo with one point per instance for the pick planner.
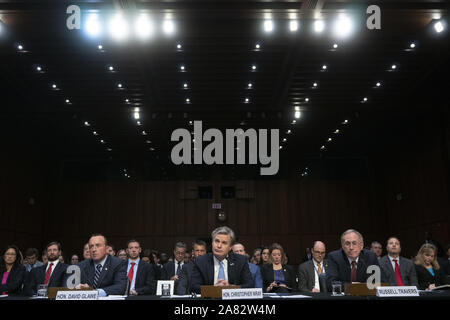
(404, 291)
(77, 295)
(252, 293)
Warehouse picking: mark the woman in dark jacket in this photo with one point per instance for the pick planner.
(429, 273)
(277, 276)
(12, 272)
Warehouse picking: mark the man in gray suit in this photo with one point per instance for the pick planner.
(309, 272)
(400, 271)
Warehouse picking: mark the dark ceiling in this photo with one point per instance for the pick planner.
(218, 50)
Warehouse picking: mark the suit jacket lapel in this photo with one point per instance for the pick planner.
(347, 269)
(312, 272)
(231, 267)
(105, 270)
(55, 274)
(210, 269)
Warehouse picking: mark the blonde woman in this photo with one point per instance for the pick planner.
(277, 276)
(429, 274)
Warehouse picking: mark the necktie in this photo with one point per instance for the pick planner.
(398, 276)
(131, 272)
(353, 274)
(48, 273)
(98, 270)
(221, 274)
(179, 269)
(319, 269)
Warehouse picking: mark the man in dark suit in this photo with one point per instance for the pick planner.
(221, 267)
(310, 272)
(350, 263)
(399, 271)
(140, 274)
(105, 273)
(52, 273)
(239, 248)
(184, 283)
(172, 270)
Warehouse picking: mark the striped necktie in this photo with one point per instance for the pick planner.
(98, 270)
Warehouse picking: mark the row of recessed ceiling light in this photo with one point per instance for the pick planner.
(393, 67)
(40, 69)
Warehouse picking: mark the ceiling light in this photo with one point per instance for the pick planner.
(54, 86)
(297, 108)
(137, 109)
(337, 131)
(253, 67)
(93, 27)
(144, 133)
(188, 100)
(306, 99)
(412, 45)
(322, 147)
(182, 68)
(343, 27)
(378, 84)
(19, 47)
(247, 100)
(257, 46)
(345, 121)
(127, 100)
(249, 85)
(95, 133)
(297, 114)
(329, 139)
(136, 115)
(100, 47)
(143, 27)
(294, 122)
(281, 147)
(109, 149)
(289, 131)
(179, 46)
(119, 85)
(284, 140)
(118, 28)
(86, 124)
(335, 46)
(439, 27)
(148, 141)
(168, 27)
(111, 68)
(315, 84)
(324, 67)
(102, 141)
(319, 26)
(152, 149)
(185, 85)
(138, 123)
(67, 101)
(293, 25)
(393, 67)
(365, 99)
(38, 68)
(268, 26)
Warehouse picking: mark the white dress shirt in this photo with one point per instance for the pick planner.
(176, 265)
(393, 263)
(217, 266)
(316, 273)
(133, 281)
(55, 263)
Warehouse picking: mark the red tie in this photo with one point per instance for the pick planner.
(131, 272)
(398, 276)
(353, 274)
(48, 273)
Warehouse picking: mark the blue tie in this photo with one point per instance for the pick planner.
(98, 270)
(221, 274)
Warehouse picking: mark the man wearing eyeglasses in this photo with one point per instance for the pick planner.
(310, 271)
(350, 263)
